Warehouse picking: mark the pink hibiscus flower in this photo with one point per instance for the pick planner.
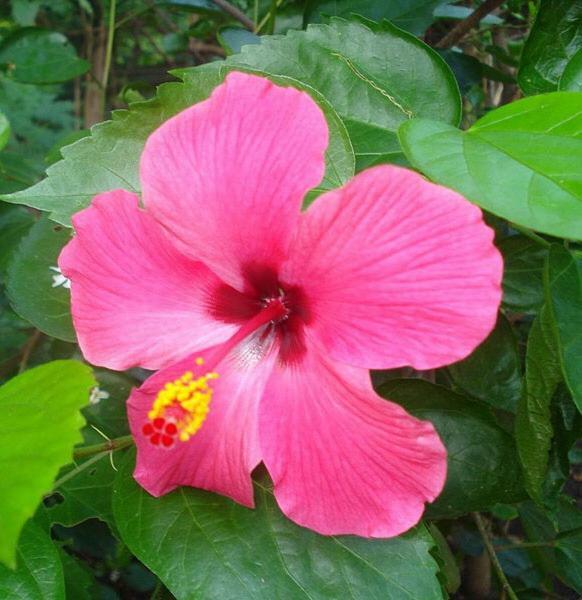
(263, 320)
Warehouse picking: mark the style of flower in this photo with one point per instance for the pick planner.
(263, 320)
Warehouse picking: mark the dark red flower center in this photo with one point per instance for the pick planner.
(263, 288)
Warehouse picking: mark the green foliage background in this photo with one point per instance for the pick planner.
(489, 106)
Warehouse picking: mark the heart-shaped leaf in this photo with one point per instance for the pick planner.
(206, 546)
(520, 162)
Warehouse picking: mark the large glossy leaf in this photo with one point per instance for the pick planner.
(205, 546)
(38, 56)
(533, 425)
(523, 265)
(564, 297)
(109, 158)
(483, 467)
(375, 75)
(38, 574)
(39, 427)
(411, 15)
(520, 161)
(37, 290)
(572, 76)
(492, 372)
(554, 39)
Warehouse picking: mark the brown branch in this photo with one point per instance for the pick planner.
(235, 13)
(27, 350)
(505, 585)
(463, 27)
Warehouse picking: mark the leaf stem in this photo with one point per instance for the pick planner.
(28, 348)
(267, 17)
(493, 556)
(531, 235)
(108, 446)
(234, 12)
(521, 545)
(108, 49)
(74, 472)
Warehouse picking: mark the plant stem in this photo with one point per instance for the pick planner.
(234, 12)
(74, 472)
(521, 545)
(463, 27)
(272, 17)
(27, 350)
(108, 446)
(266, 19)
(108, 49)
(494, 560)
(531, 235)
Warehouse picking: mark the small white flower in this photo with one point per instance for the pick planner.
(59, 280)
(97, 394)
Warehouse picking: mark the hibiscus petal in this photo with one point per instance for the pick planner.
(222, 454)
(135, 299)
(228, 175)
(343, 460)
(398, 271)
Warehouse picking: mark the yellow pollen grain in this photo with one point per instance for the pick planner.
(192, 394)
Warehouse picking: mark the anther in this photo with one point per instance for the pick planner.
(180, 408)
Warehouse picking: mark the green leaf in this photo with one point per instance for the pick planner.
(39, 427)
(13, 331)
(4, 130)
(232, 39)
(79, 582)
(38, 56)
(375, 75)
(483, 468)
(206, 546)
(196, 6)
(84, 494)
(411, 15)
(38, 574)
(449, 569)
(16, 172)
(15, 221)
(109, 158)
(24, 11)
(555, 37)
(37, 290)
(106, 411)
(572, 76)
(533, 424)
(523, 265)
(564, 297)
(38, 116)
(87, 485)
(520, 161)
(562, 534)
(492, 372)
